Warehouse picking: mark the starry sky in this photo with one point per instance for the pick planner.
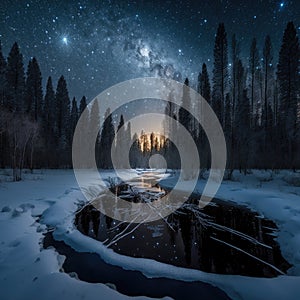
(96, 44)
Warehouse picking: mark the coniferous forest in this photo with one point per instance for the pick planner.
(149, 149)
(257, 101)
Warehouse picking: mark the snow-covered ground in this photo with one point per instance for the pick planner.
(27, 270)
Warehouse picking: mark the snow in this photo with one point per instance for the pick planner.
(26, 270)
(53, 195)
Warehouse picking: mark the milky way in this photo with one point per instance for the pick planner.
(96, 44)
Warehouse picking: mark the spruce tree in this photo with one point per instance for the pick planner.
(235, 52)
(128, 134)
(135, 154)
(48, 122)
(4, 149)
(33, 91)
(288, 83)
(49, 109)
(204, 84)
(268, 78)
(106, 141)
(62, 116)
(205, 91)
(254, 66)
(83, 132)
(74, 115)
(15, 80)
(220, 72)
(82, 105)
(120, 143)
(183, 114)
(94, 123)
(3, 66)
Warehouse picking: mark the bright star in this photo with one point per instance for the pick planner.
(281, 4)
(65, 40)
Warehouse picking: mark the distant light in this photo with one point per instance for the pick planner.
(205, 21)
(281, 4)
(254, 17)
(65, 40)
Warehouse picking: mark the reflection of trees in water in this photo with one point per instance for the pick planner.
(220, 238)
(185, 222)
(108, 221)
(95, 214)
(172, 219)
(85, 222)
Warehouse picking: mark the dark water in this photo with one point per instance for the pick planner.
(91, 268)
(221, 238)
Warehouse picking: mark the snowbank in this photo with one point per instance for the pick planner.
(26, 270)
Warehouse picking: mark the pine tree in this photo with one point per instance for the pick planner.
(227, 118)
(254, 66)
(62, 122)
(74, 115)
(83, 133)
(238, 124)
(268, 78)
(152, 141)
(94, 124)
(49, 109)
(183, 114)
(82, 105)
(235, 52)
(15, 80)
(241, 82)
(169, 112)
(121, 137)
(242, 123)
(205, 91)
(3, 66)
(48, 121)
(128, 134)
(288, 83)
(220, 72)
(4, 149)
(204, 84)
(106, 141)
(135, 154)
(33, 90)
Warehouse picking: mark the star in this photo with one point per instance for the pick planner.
(65, 40)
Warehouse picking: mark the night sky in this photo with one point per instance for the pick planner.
(96, 44)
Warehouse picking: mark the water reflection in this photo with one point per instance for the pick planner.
(221, 238)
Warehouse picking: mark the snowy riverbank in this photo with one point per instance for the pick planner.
(53, 196)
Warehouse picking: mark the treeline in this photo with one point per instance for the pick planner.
(256, 101)
(36, 128)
